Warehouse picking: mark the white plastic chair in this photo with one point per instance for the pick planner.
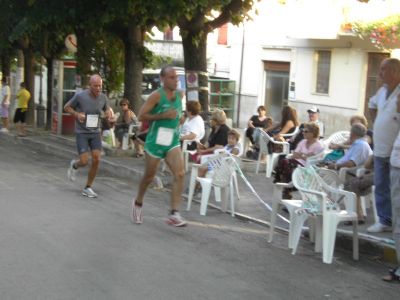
(272, 159)
(322, 201)
(223, 167)
(186, 152)
(292, 205)
(131, 132)
(288, 136)
(338, 137)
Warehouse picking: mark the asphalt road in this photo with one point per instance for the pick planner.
(57, 244)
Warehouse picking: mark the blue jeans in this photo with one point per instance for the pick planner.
(382, 189)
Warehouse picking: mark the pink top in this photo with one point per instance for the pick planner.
(313, 149)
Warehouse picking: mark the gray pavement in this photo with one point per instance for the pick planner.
(57, 244)
(249, 207)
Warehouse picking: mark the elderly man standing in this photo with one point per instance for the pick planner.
(382, 108)
(394, 274)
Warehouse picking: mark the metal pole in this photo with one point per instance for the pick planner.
(40, 108)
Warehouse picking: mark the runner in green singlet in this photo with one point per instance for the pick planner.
(163, 109)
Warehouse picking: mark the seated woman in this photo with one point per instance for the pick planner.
(307, 147)
(193, 126)
(218, 137)
(126, 118)
(288, 124)
(257, 121)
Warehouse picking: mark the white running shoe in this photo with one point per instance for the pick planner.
(71, 172)
(176, 220)
(378, 227)
(136, 213)
(4, 130)
(88, 192)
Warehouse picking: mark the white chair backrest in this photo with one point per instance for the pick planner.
(221, 165)
(337, 138)
(287, 136)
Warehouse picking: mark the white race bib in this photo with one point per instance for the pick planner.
(92, 121)
(164, 136)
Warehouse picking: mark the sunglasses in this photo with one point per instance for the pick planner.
(124, 104)
(305, 131)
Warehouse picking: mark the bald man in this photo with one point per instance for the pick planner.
(87, 107)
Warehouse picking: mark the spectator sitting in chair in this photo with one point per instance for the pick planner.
(353, 120)
(193, 126)
(307, 147)
(218, 137)
(361, 186)
(358, 152)
(257, 121)
(288, 125)
(313, 117)
(126, 118)
(233, 147)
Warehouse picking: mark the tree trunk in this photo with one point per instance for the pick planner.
(49, 92)
(83, 56)
(29, 79)
(195, 56)
(5, 64)
(134, 46)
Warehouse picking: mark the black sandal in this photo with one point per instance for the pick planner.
(391, 277)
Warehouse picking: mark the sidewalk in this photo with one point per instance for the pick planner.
(248, 208)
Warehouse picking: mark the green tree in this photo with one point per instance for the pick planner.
(196, 19)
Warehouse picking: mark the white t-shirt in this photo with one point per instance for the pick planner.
(387, 122)
(5, 92)
(194, 125)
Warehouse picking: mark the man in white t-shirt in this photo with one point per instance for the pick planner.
(5, 103)
(383, 110)
(394, 274)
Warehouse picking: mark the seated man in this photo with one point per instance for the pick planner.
(313, 117)
(358, 152)
(357, 155)
(361, 186)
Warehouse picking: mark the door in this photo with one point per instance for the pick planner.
(276, 87)
(373, 82)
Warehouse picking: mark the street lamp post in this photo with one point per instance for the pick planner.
(40, 109)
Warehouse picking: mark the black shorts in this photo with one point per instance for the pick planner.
(20, 115)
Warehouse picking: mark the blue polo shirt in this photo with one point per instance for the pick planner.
(358, 152)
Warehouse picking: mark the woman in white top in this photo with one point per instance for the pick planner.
(193, 127)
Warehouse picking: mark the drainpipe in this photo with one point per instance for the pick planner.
(240, 80)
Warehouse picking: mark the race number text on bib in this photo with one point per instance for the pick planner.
(92, 121)
(164, 136)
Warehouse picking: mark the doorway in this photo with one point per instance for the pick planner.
(276, 87)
